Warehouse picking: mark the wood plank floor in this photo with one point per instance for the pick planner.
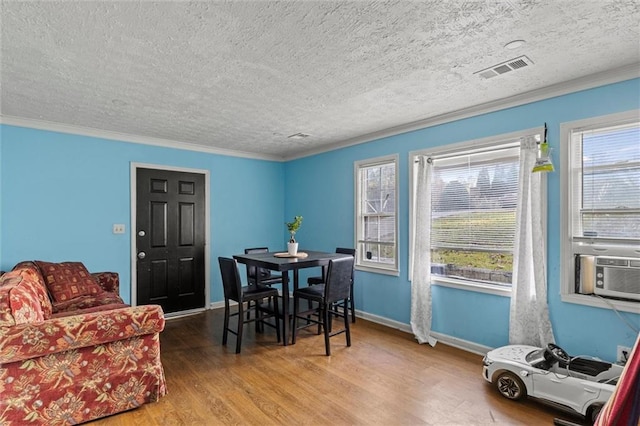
(384, 378)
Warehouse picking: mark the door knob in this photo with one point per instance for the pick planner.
(142, 255)
(141, 233)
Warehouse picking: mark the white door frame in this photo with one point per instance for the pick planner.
(207, 232)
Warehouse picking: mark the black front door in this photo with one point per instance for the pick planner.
(170, 222)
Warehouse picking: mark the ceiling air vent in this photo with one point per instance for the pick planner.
(505, 67)
(298, 136)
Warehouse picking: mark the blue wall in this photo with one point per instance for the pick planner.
(1, 192)
(321, 188)
(64, 192)
(61, 194)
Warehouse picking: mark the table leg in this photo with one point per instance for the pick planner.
(286, 327)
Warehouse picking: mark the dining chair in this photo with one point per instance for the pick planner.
(330, 297)
(233, 291)
(319, 280)
(266, 276)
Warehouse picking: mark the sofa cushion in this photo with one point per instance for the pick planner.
(98, 308)
(68, 280)
(87, 301)
(109, 281)
(39, 339)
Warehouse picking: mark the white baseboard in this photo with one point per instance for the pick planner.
(216, 305)
(444, 338)
(465, 345)
(182, 314)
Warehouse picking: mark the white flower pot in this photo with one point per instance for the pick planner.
(292, 248)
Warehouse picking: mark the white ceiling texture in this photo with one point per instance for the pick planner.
(243, 76)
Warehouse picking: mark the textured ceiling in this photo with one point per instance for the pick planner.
(243, 76)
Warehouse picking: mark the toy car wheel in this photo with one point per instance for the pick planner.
(593, 412)
(510, 386)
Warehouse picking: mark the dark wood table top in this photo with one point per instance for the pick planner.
(269, 261)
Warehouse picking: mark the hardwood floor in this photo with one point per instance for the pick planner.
(384, 378)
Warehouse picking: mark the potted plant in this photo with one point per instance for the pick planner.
(292, 227)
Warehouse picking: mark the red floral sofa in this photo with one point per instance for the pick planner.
(70, 349)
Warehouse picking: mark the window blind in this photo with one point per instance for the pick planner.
(474, 198)
(606, 163)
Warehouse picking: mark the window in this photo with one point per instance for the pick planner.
(473, 219)
(376, 218)
(601, 210)
(474, 194)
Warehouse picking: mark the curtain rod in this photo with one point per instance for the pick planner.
(454, 154)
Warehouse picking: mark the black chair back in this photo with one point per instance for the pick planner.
(251, 270)
(350, 251)
(338, 285)
(343, 250)
(230, 278)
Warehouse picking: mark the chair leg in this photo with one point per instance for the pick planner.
(225, 331)
(258, 324)
(353, 304)
(240, 326)
(345, 312)
(309, 307)
(258, 313)
(326, 315)
(294, 326)
(276, 316)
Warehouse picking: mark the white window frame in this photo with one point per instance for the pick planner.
(568, 248)
(476, 145)
(362, 263)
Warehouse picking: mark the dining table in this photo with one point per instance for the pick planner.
(283, 262)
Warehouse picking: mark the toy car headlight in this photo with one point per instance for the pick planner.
(486, 361)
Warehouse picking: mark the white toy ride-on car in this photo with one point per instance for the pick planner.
(581, 384)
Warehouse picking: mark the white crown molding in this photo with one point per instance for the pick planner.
(617, 75)
(124, 137)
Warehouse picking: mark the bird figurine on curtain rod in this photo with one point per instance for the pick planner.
(543, 162)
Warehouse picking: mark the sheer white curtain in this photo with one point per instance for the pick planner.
(421, 273)
(529, 314)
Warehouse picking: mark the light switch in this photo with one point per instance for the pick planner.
(118, 228)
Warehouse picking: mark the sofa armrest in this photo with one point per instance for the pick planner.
(25, 341)
(109, 281)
